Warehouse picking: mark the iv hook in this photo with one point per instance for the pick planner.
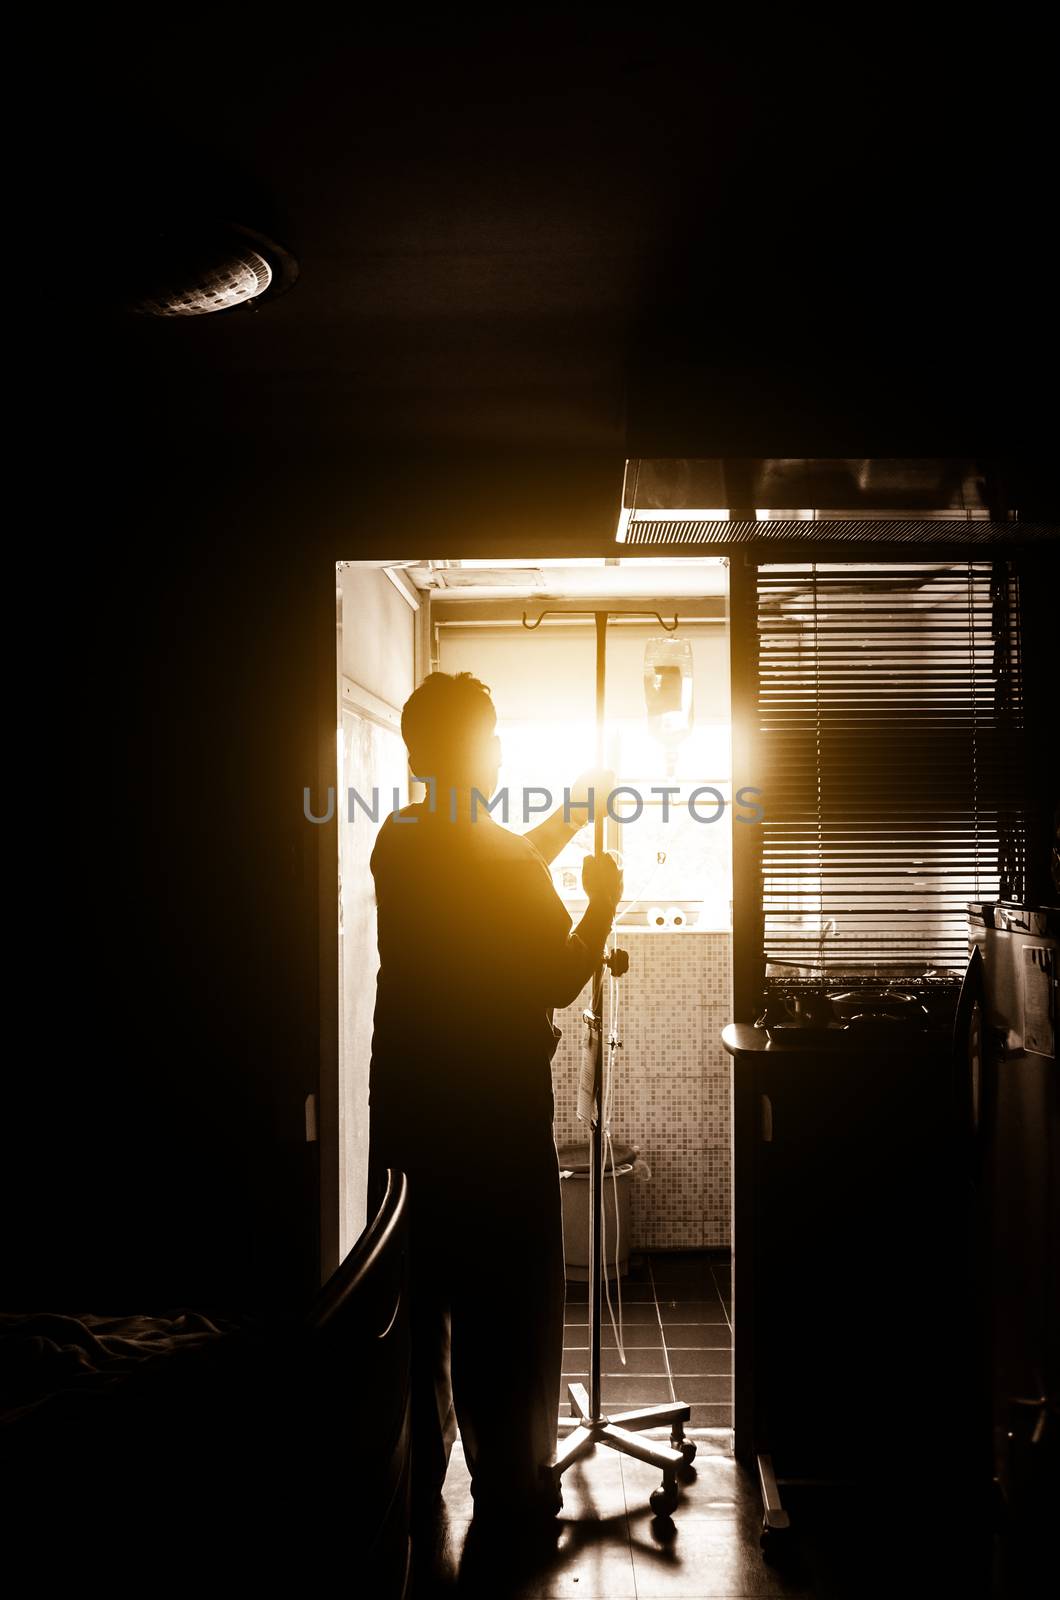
(669, 627)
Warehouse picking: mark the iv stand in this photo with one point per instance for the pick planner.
(593, 1427)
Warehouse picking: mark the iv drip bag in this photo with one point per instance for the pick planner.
(668, 693)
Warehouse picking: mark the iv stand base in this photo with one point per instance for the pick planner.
(620, 1433)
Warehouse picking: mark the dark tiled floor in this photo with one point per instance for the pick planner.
(676, 1333)
(606, 1545)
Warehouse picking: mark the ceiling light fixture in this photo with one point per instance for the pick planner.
(212, 267)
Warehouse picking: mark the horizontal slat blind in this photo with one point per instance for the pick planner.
(889, 735)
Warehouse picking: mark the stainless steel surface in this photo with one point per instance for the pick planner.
(1015, 1183)
(1020, 976)
(952, 486)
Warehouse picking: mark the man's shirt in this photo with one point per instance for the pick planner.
(475, 950)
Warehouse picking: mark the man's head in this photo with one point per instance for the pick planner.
(448, 725)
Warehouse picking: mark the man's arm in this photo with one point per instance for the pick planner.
(555, 833)
(584, 948)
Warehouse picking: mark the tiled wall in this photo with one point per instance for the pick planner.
(672, 1084)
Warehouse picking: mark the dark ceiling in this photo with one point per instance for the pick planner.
(604, 237)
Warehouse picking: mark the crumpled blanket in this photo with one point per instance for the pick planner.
(46, 1356)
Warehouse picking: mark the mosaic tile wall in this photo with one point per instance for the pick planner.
(672, 1084)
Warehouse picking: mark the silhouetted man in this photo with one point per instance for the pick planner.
(476, 949)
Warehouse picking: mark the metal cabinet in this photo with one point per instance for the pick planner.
(849, 1256)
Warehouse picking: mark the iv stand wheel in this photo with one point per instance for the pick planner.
(687, 1447)
(664, 1501)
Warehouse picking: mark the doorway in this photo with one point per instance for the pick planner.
(671, 827)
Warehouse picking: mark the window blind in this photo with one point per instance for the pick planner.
(889, 739)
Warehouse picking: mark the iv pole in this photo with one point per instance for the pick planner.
(593, 1427)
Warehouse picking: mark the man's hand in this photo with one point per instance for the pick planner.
(602, 879)
(601, 781)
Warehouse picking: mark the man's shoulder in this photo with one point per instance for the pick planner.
(480, 840)
(504, 845)
(395, 827)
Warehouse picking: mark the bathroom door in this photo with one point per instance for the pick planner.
(376, 673)
(372, 764)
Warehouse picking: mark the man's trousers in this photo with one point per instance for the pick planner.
(486, 1299)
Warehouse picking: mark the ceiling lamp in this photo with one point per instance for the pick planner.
(217, 267)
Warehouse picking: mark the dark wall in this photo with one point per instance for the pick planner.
(179, 992)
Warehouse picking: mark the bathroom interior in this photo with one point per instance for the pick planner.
(668, 1193)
